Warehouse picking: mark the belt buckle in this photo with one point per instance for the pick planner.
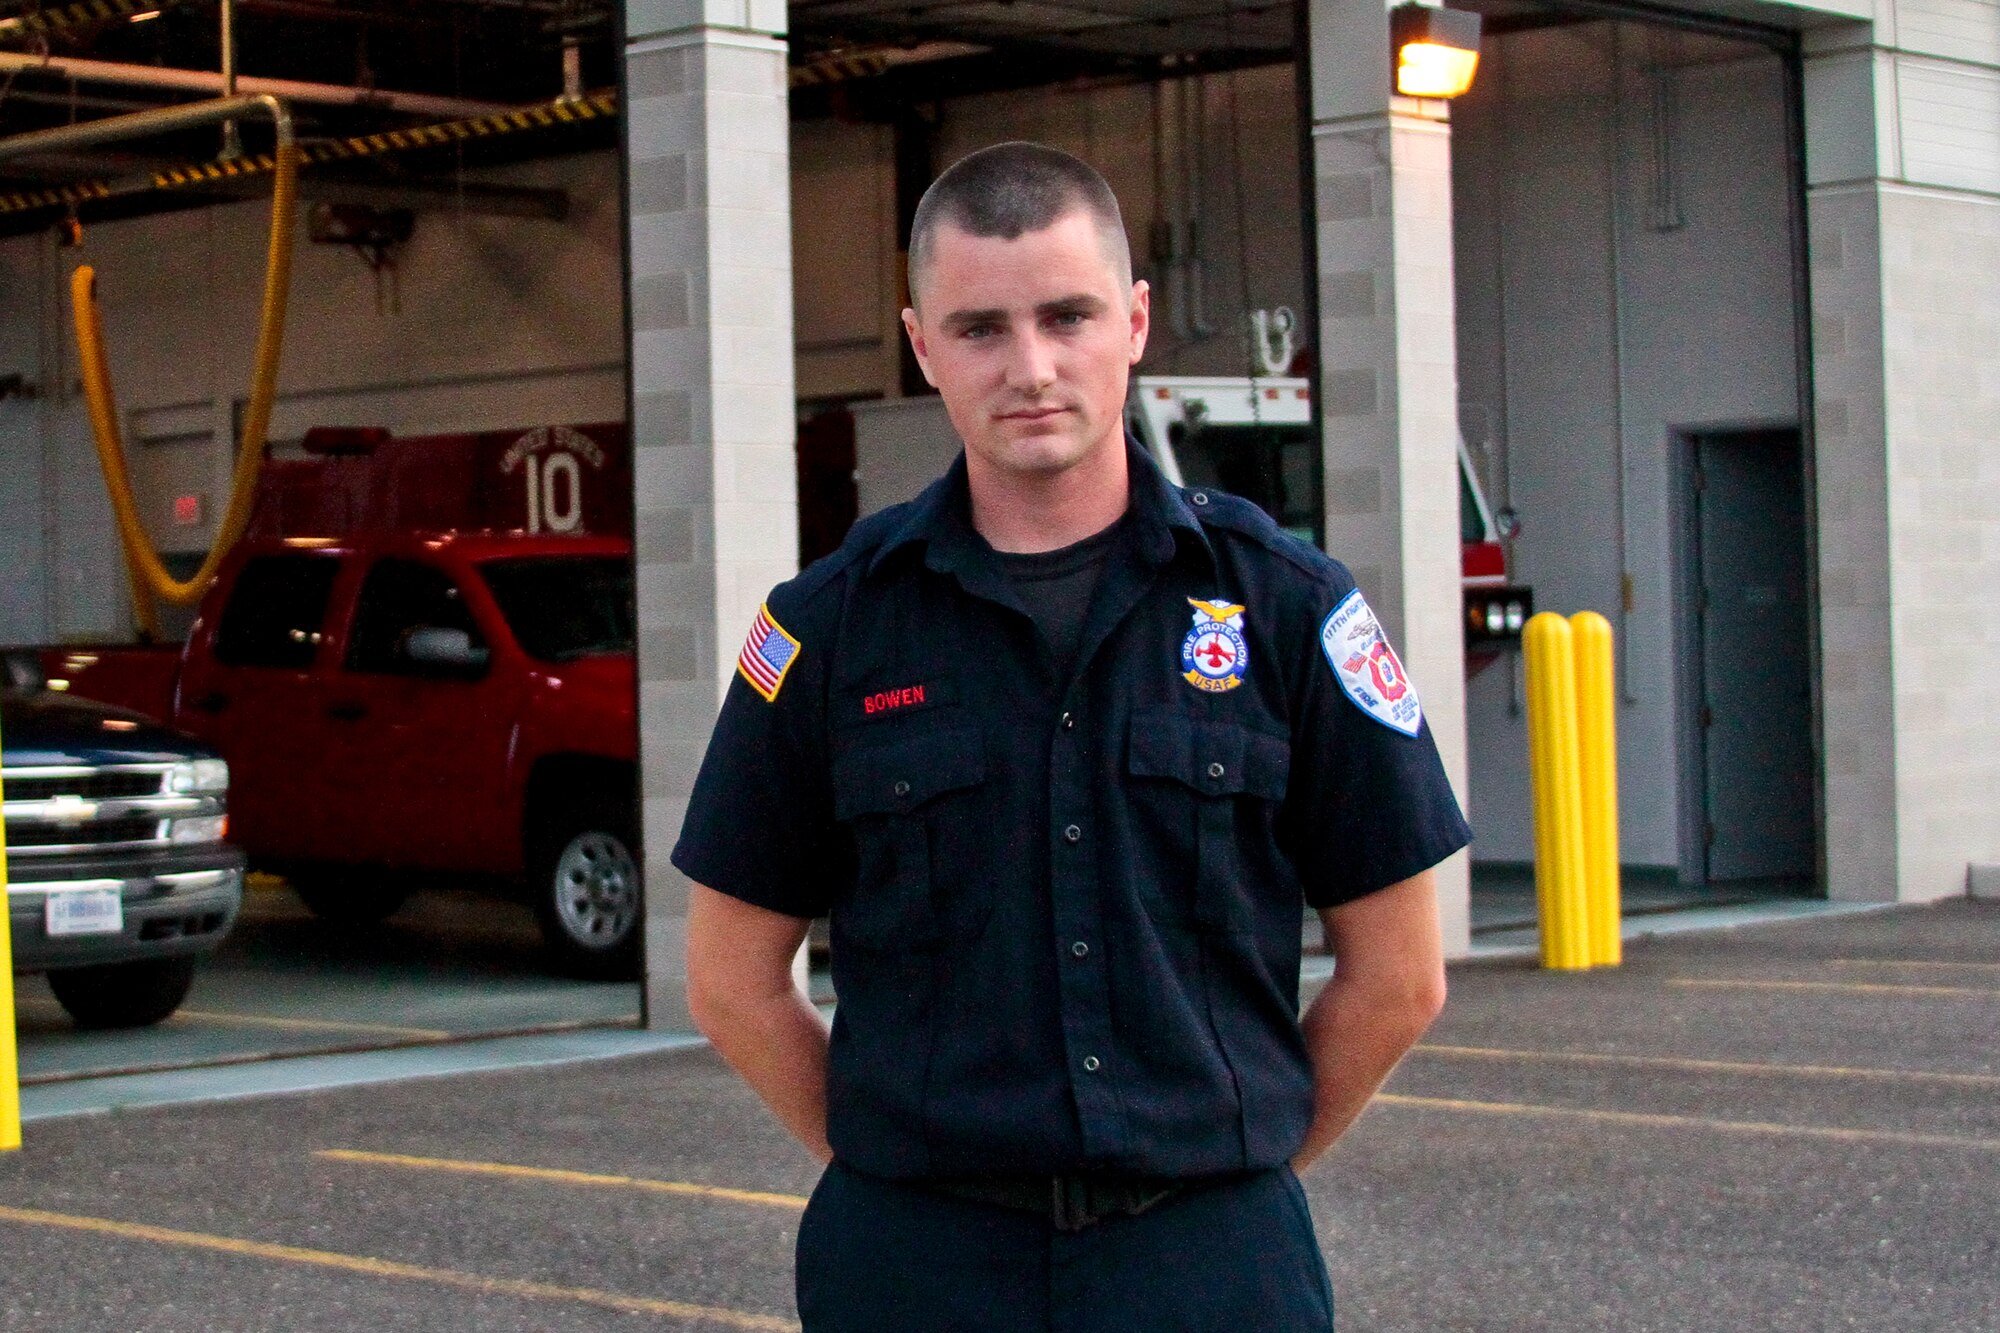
(1069, 1203)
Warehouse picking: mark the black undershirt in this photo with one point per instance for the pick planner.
(1056, 587)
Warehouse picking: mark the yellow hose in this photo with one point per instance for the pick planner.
(150, 579)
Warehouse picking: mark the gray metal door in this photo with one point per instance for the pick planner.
(1755, 672)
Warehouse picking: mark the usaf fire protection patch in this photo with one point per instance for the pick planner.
(1214, 655)
(1367, 668)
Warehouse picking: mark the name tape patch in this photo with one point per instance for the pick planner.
(889, 701)
(1367, 667)
(768, 655)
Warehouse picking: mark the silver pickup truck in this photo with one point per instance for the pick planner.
(118, 873)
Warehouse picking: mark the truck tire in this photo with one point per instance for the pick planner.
(123, 995)
(347, 899)
(588, 893)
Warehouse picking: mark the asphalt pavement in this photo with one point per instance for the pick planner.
(1778, 1128)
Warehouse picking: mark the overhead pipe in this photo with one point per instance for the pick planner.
(144, 124)
(205, 81)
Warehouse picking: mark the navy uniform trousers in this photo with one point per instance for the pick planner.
(881, 1256)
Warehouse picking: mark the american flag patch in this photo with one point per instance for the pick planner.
(767, 655)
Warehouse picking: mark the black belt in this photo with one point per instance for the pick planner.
(1070, 1202)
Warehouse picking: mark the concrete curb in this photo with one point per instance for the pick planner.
(314, 1073)
(1525, 941)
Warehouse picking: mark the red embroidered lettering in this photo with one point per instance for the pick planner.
(887, 701)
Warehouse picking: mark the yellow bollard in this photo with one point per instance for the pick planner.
(1555, 772)
(1597, 751)
(10, 1072)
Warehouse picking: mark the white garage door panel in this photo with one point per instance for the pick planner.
(1950, 124)
(1959, 29)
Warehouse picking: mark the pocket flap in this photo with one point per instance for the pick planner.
(1214, 757)
(896, 776)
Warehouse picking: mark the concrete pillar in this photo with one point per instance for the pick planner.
(1904, 232)
(716, 512)
(1388, 378)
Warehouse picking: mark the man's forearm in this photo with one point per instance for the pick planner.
(742, 997)
(1355, 1037)
(1388, 984)
(777, 1043)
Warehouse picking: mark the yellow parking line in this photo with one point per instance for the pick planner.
(1653, 1121)
(313, 1024)
(354, 1263)
(1852, 987)
(1911, 962)
(559, 1177)
(180, 1018)
(1713, 1066)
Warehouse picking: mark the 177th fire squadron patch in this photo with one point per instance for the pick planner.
(1367, 667)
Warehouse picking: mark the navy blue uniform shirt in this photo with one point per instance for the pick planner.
(1066, 910)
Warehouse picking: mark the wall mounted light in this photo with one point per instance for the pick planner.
(1437, 50)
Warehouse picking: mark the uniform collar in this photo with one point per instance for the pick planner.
(941, 518)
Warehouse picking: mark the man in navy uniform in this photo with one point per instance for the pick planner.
(1063, 750)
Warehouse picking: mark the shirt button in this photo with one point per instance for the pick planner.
(901, 789)
(1080, 949)
(1069, 722)
(1091, 1064)
(1072, 834)
(1215, 770)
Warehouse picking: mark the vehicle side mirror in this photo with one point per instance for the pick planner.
(450, 649)
(24, 674)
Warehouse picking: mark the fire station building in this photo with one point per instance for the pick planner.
(1691, 307)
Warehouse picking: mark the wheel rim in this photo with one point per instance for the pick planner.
(596, 889)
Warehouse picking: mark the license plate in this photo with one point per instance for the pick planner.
(85, 912)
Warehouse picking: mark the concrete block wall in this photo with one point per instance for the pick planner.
(1941, 324)
(1903, 165)
(1857, 659)
(716, 518)
(1388, 380)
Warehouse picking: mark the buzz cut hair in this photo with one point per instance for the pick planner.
(1009, 190)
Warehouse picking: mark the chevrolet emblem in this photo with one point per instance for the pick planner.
(72, 809)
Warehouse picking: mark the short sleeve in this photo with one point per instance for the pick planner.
(1369, 804)
(759, 823)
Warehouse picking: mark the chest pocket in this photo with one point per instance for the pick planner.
(1223, 784)
(898, 798)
